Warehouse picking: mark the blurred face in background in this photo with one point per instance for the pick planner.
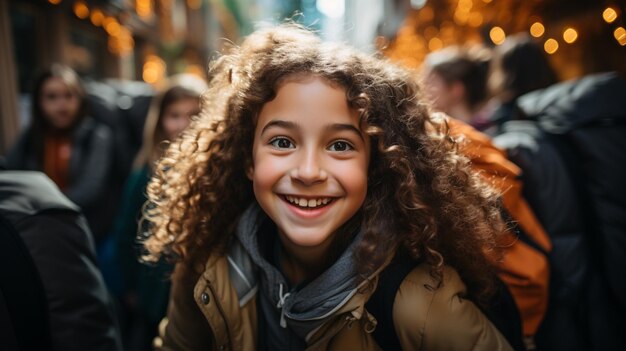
(59, 103)
(439, 92)
(177, 116)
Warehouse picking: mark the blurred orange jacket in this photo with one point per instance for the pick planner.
(524, 269)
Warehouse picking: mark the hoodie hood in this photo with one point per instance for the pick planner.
(299, 311)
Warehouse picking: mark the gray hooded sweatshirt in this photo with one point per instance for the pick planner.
(288, 316)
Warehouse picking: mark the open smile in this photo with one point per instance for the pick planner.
(308, 202)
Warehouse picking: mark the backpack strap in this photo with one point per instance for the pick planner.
(380, 304)
(502, 310)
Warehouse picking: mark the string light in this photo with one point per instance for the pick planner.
(570, 35)
(81, 10)
(475, 19)
(143, 8)
(54, 2)
(113, 28)
(537, 29)
(497, 35)
(609, 15)
(153, 69)
(620, 35)
(551, 46)
(435, 44)
(96, 17)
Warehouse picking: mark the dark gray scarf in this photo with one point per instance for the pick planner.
(290, 317)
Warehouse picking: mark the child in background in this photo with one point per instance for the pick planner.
(455, 80)
(70, 147)
(311, 167)
(146, 288)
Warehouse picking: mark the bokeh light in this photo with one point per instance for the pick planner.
(609, 15)
(620, 35)
(551, 46)
(497, 35)
(475, 19)
(570, 35)
(97, 17)
(81, 10)
(435, 44)
(537, 29)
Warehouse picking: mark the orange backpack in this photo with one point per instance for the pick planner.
(525, 268)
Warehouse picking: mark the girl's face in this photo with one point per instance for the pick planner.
(177, 116)
(58, 103)
(310, 161)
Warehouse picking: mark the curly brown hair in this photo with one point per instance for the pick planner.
(421, 196)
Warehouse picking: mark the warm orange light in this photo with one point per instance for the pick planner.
(97, 17)
(570, 35)
(81, 10)
(609, 15)
(107, 20)
(153, 69)
(537, 29)
(475, 19)
(143, 8)
(551, 46)
(497, 35)
(54, 2)
(620, 35)
(465, 5)
(430, 32)
(435, 44)
(113, 28)
(461, 17)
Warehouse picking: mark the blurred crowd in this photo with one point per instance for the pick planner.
(97, 143)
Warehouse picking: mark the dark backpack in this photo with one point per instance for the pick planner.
(502, 311)
(570, 142)
(23, 305)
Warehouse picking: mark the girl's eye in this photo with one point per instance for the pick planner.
(340, 146)
(282, 143)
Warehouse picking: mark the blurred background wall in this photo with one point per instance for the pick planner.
(147, 40)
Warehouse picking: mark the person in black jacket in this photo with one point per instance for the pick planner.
(70, 147)
(52, 295)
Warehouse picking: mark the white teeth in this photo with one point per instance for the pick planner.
(302, 202)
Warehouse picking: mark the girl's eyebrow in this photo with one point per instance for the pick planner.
(280, 124)
(338, 127)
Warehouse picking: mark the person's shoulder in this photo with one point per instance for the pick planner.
(90, 127)
(419, 289)
(29, 192)
(439, 314)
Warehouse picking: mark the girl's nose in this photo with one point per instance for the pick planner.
(308, 169)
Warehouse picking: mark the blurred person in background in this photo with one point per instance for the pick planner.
(455, 80)
(518, 66)
(145, 289)
(69, 146)
(52, 295)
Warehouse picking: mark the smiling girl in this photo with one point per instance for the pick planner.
(310, 168)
